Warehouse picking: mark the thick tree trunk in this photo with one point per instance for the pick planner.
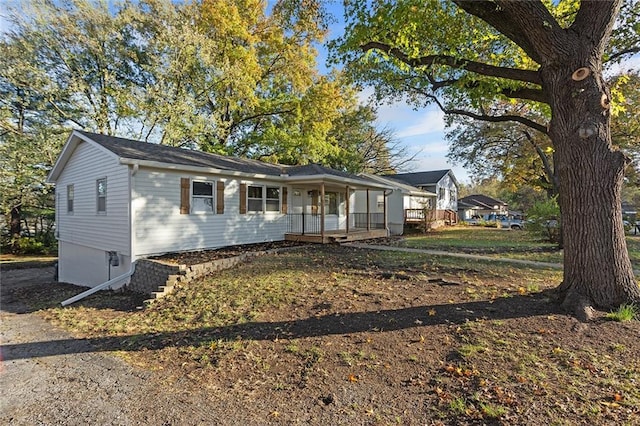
(597, 269)
(15, 226)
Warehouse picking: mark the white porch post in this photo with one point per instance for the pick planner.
(384, 208)
(347, 201)
(322, 211)
(368, 215)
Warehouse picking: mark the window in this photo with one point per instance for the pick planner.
(201, 197)
(452, 195)
(441, 194)
(263, 199)
(331, 203)
(254, 196)
(273, 199)
(101, 192)
(70, 198)
(380, 203)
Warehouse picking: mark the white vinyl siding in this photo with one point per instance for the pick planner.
(85, 227)
(448, 194)
(160, 228)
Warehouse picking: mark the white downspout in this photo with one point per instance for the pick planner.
(99, 287)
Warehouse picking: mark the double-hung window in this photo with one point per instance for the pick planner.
(254, 198)
(70, 196)
(101, 195)
(273, 199)
(263, 198)
(202, 197)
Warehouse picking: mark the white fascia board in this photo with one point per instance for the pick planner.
(422, 193)
(196, 169)
(397, 186)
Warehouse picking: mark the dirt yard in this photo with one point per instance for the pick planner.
(330, 335)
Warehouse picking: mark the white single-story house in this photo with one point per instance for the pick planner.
(405, 203)
(443, 184)
(119, 200)
(478, 206)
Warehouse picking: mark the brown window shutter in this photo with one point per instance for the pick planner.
(185, 189)
(220, 197)
(283, 208)
(243, 198)
(314, 202)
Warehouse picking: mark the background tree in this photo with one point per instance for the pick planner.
(464, 55)
(226, 76)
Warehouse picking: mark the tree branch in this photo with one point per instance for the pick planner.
(616, 55)
(527, 93)
(545, 162)
(527, 76)
(501, 17)
(596, 18)
(490, 118)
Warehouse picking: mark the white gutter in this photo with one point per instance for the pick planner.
(100, 286)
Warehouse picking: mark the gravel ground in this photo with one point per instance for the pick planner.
(49, 378)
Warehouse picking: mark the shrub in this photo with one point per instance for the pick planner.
(544, 221)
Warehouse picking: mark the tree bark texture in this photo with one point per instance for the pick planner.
(597, 268)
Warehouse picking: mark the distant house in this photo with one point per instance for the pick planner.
(405, 203)
(478, 206)
(443, 184)
(119, 200)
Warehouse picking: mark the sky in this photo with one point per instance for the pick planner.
(421, 131)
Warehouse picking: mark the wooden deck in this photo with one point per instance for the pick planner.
(337, 236)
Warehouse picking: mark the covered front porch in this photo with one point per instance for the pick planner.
(324, 211)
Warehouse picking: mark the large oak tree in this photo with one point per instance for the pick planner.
(464, 53)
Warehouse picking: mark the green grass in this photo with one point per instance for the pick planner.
(480, 239)
(10, 261)
(626, 312)
(501, 243)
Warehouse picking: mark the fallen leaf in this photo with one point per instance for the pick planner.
(432, 312)
(353, 378)
(617, 397)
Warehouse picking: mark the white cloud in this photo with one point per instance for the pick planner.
(429, 122)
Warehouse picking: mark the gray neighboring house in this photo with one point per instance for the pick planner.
(119, 200)
(478, 205)
(441, 182)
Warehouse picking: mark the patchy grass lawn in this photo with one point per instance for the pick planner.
(501, 243)
(338, 335)
(10, 261)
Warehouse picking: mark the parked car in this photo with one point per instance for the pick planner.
(501, 221)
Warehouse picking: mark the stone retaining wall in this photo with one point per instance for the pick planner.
(158, 279)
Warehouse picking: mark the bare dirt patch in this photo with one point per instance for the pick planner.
(337, 335)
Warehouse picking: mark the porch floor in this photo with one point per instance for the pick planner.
(339, 236)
